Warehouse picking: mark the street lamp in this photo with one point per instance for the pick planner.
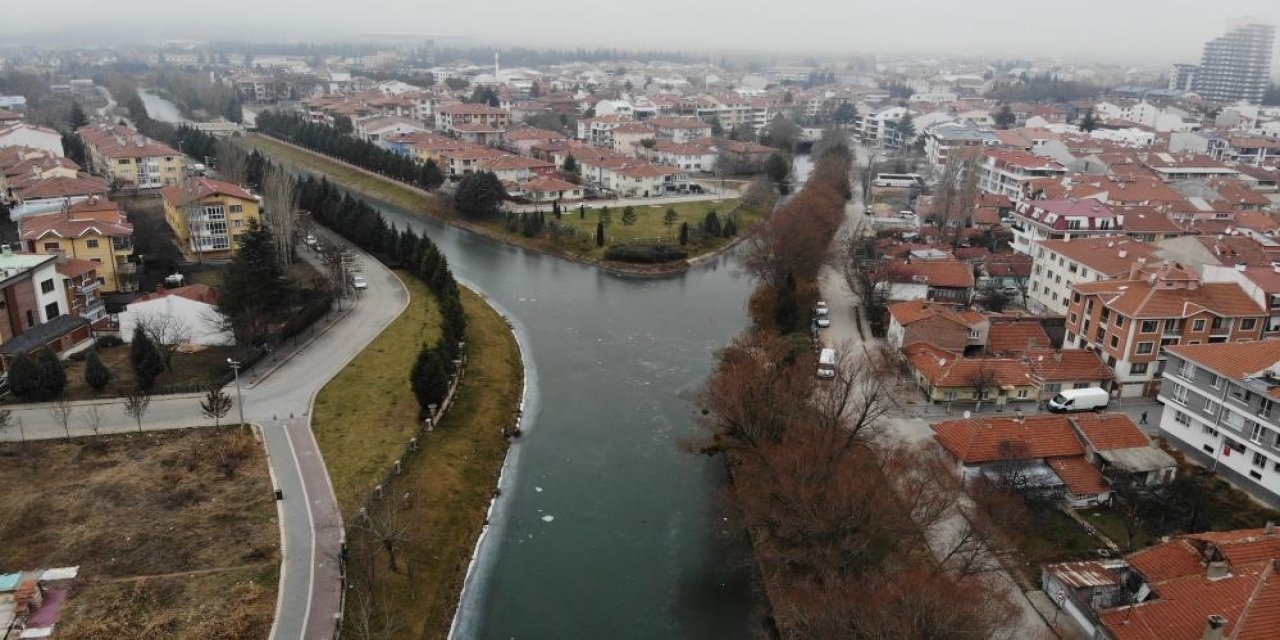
(235, 366)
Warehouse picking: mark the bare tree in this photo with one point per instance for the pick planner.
(216, 404)
(280, 209)
(93, 418)
(190, 193)
(135, 405)
(61, 411)
(5, 415)
(167, 332)
(862, 267)
(385, 528)
(981, 379)
(367, 618)
(233, 162)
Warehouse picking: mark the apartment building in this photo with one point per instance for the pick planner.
(1060, 265)
(1129, 322)
(1005, 171)
(940, 140)
(1237, 65)
(681, 130)
(129, 159)
(448, 117)
(31, 289)
(1221, 408)
(1262, 283)
(95, 230)
(596, 130)
(209, 216)
(1037, 220)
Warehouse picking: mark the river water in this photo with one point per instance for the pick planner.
(604, 527)
(160, 109)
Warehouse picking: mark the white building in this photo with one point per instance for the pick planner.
(24, 134)
(1059, 265)
(190, 312)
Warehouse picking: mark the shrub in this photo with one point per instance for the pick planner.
(645, 253)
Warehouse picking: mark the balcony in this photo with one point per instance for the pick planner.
(88, 288)
(122, 244)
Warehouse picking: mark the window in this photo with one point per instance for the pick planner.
(1022, 394)
(1187, 370)
(1173, 326)
(1119, 320)
(1197, 326)
(1259, 460)
(1258, 433)
(1215, 381)
(1073, 318)
(1115, 342)
(1240, 394)
(1075, 297)
(1210, 407)
(1149, 326)
(974, 333)
(1145, 347)
(51, 310)
(1080, 385)
(1138, 368)
(1264, 409)
(1209, 431)
(46, 286)
(122, 161)
(1182, 418)
(236, 208)
(1053, 386)
(1248, 324)
(52, 247)
(91, 243)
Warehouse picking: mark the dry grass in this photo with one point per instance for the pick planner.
(188, 368)
(365, 416)
(450, 480)
(151, 505)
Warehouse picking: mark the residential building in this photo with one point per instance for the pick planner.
(944, 376)
(448, 117)
(209, 216)
(95, 230)
(1130, 322)
(83, 286)
(377, 128)
(1236, 66)
(1064, 455)
(1260, 283)
(940, 325)
(25, 134)
(596, 130)
(34, 310)
(1060, 265)
(545, 189)
(194, 307)
(1221, 408)
(940, 140)
(1037, 220)
(938, 281)
(1005, 171)
(681, 130)
(1199, 586)
(128, 159)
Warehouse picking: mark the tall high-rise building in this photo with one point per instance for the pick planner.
(1237, 65)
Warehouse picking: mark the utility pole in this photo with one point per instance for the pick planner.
(235, 367)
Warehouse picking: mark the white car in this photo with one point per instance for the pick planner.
(820, 308)
(823, 321)
(359, 283)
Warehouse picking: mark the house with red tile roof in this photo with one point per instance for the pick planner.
(125, 157)
(1129, 322)
(944, 376)
(1038, 220)
(940, 325)
(95, 229)
(1194, 587)
(934, 280)
(1006, 171)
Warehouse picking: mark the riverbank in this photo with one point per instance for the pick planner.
(428, 204)
(364, 420)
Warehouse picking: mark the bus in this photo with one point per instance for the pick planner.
(899, 180)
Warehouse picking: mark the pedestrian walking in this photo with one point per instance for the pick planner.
(1143, 419)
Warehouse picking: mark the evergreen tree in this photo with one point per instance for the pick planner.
(1005, 118)
(53, 375)
(670, 218)
(429, 379)
(234, 112)
(731, 228)
(255, 292)
(628, 215)
(430, 176)
(96, 374)
(711, 224)
(787, 309)
(145, 358)
(684, 233)
(77, 118)
(570, 165)
(777, 168)
(1088, 122)
(599, 234)
(24, 377)
(606, 216)
(907, 128)
(479, 195)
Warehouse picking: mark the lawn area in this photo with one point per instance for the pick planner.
(189, 369)
(381, 188)
(649, 225)
(451, 478)
(364, 417)
(1052, 536)
(146, 512)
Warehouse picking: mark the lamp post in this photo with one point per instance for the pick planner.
(235, 366)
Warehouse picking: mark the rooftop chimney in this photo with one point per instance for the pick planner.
(8, 251)
(1214, 628)
(1240, 266)
(1123, 253)
(1269, 529)
(1218, 570)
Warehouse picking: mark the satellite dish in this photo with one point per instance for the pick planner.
(966, 415)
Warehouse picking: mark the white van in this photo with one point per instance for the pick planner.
(1088, 399)
(827, 363)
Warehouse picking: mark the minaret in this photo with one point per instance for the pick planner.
(496, 78)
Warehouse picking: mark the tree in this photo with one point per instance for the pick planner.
(430, 379)
(570, 165)
(166, 332)
(93, 418)
(787, 315)
(1088, 122)
(994, 298)
(628, 215)
(135, 405)
(1005, 118)
(343, 125)
(777, 167)
(384, 526)
(52, 373)
(61, 411)
(606, 216)
(981, 379)
(781, 133)
(147, 361)
(479, 195)
(599, 234)
(684, 233)
(96, 374)
(255, 293)
(280, 210)
(76, 118)
(670, 218)
(24, 377)
(216, 404)
(907, 129)
(233, 111)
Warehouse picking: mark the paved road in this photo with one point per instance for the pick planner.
(843, 333)
(278, 397)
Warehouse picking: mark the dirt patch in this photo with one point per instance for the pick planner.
(191, 371)
(155, 504)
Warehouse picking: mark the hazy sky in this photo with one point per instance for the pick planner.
(1123, 30)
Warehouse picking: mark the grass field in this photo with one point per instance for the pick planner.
(188, 368)
(366, 414)
(364, 419)
(648, 228)
(184, 522)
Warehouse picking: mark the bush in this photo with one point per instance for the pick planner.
(645, 253)
(107, 342)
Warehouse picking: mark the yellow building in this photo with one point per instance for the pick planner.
(95, 230)
(208, 216)
(129, 159)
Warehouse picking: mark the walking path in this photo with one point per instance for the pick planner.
(278, 396)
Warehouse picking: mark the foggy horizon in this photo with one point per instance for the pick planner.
(1134, 32)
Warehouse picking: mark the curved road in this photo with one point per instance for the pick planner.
(278, 397)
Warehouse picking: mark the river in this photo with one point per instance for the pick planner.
(604, 527)
(160, 109)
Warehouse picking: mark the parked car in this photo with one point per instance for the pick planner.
(359, 282)
(827, 363)
(1087, 399)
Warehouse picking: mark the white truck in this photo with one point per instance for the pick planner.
(827, 363)
(1087, 399)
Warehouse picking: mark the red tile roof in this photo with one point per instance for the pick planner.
(955, 275)
(198, 292)
(93, 216)
(912, 311)
(1141, 299)
(1105, 432)
(1234, 360)
(200, 188)
(1081, 478)
(1015, 338)
(979, 440)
